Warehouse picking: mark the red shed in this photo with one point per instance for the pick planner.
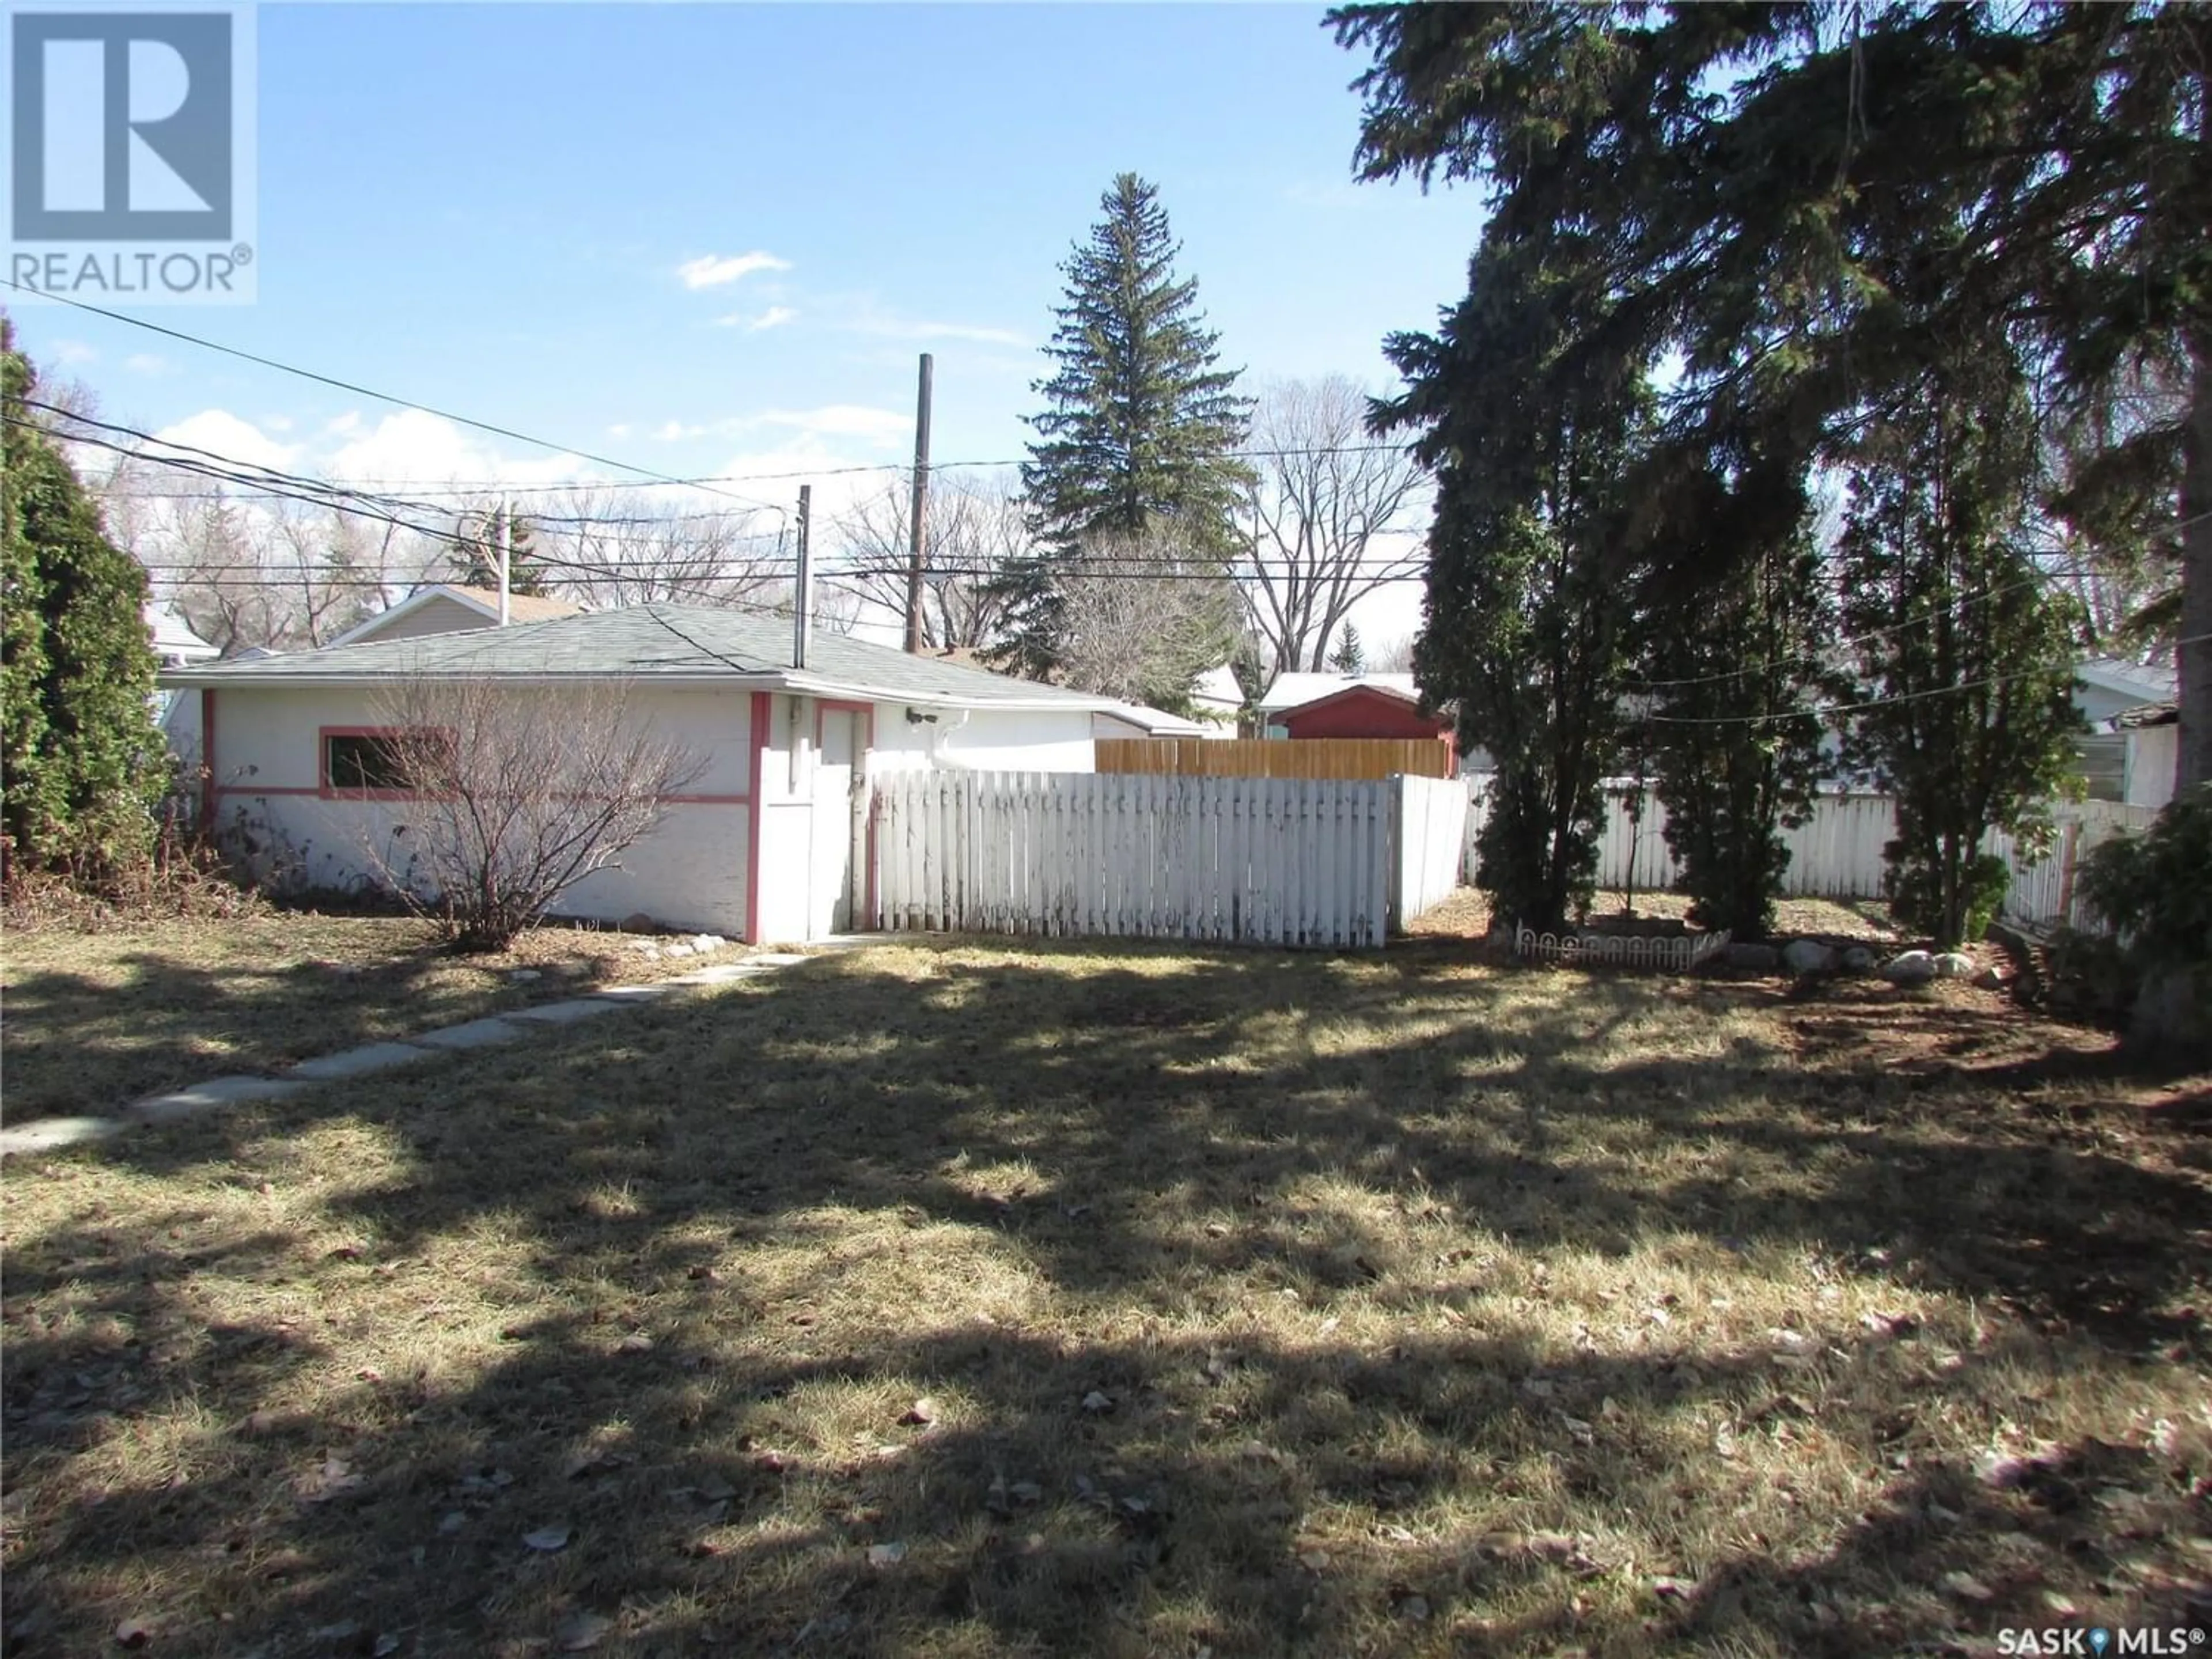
(1366, 711)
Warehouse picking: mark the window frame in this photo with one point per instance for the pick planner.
(330, 789)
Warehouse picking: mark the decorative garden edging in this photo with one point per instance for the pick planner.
(1675, 954)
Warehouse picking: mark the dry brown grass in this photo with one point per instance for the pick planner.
(95, 1017)
(1261, 1305)
(1466, 914)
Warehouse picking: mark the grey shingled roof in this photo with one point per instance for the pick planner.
(647, 643)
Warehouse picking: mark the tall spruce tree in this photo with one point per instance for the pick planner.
(1528, 593)
(81, 759)
(1755, 179)
(1132, 474)
(1965, 654)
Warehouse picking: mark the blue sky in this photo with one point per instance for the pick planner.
(492, 209)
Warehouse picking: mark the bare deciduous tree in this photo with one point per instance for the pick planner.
(514, 796)
(972, 529)
(610, 548)
(1327, 514)
(1142, 616)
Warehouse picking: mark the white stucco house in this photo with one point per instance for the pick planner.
(763, 845)
(2105, 689)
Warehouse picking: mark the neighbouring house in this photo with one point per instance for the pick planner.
(764, 845)
(1351, 706)
(1218, 700)
(175, 645)
(2105, 688)
(2151, 739)
(451, 608)
(1134, 720)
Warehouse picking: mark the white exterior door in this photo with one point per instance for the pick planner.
(830, 905)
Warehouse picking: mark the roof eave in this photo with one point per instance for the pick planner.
(799, 682)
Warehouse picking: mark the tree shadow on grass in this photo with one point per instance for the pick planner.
(78, 1043)
(1264, 1305)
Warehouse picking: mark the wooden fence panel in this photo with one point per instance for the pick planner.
(1340, 758)
(1278, 861)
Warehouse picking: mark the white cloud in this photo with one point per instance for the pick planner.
(717, 270)
(145, 362)
(413, 447)
(874, 425)
(869, 317)
(774, 317)
(221, 433)
(68, 353)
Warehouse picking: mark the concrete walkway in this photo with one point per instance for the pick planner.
(45, 1134)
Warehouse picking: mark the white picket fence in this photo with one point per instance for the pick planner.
(1285, 861)
(1266, 861)
(1836, 852)
(1428, 833)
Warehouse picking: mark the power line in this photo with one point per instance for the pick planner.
(1829, 709)
(359, 391)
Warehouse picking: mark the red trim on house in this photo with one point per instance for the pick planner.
(861, 746)
(355, 794)
(757, 738)
(208, 788)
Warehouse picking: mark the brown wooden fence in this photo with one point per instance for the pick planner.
(1277, 757)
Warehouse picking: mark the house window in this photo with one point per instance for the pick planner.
(377, 762)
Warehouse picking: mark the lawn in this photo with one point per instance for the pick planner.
(964, 1300)
(95, 1020)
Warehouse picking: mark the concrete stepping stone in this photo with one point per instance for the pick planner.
(774, 959)
(565, 1013)
(620, 993)
(359, 1062)
(475, 1033)
(49, 1133)
(204, 1097)
(722, 973)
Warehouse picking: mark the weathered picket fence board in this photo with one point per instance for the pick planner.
(1301, 862)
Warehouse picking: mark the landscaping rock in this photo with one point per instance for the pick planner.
(1753, 958)
(1954, 964)
(681, 949)
(1910, 968)
(1993, 978)
(703, 943)
(1808, 956)
(1858, 960)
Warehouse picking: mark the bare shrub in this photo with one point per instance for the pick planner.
(510, 795)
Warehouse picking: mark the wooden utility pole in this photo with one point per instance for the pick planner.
(920, 501)
(802, 602)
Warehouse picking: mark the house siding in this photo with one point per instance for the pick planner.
(438, 615)
(1362, 713)
(690, 872)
